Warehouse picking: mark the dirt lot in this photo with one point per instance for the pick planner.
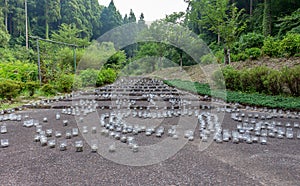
(26, 162)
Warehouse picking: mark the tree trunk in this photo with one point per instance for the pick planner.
(267, 18)
(180, 61)
(46, 22)
(251, 7)
(219, 38)
(26, 25)
(6, 16)
(226, 57)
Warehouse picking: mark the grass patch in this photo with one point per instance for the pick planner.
(254, 99)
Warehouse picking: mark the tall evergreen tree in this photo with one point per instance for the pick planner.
(132, 18)
(110, 18)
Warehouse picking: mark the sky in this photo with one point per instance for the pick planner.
(152, 9)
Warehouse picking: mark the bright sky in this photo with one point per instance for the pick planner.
(152, 9)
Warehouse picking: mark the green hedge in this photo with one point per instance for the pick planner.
(253, 99)
(260, 79)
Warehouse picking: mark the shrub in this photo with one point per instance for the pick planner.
(271, 47)
(273, 82)
(290, 45)
(9, 88)
(251, 40)
(231, 77)
(89, 77)
(64, 83)
(208, 59)
(106, 76)
(31, 86)
(291, 77)
(253, 53)
(239, 57)
(220, 56)
(48, 89)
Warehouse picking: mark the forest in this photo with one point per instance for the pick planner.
(234, 30)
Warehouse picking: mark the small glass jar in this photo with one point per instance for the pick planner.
(63, 146)
(75, 132)
(43, 140)
(51, 143)
(3, 129)
(263, 140)
(94, 130)
(37, 138)
(289, 133)
(65, 122)
(58, 134)
(112, 148)
(68, 134)
(94, 145)
(79, 146)
(57, 116)
(84, 129)
(48, 132)
(4, 143)
(45, 119)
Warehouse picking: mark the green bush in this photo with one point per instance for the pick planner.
(290, 45)
(9, 88)
(271, 47)
(64, 83)
(220, 56)
(251, 40)
(208, 59)
(291, 77)
(89, 77)
(106, 76)
(19, 71)
(253, 53)
(31, 86)
(231, 77)
(48, 89)
(273, 82)
(239, 57)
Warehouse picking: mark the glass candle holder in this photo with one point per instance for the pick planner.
(94, 145)
(135, 148)
(58, 134)
(84, 129)
(57, 116)
(63, 146)
(48, 132)
(37, 138)
(112, 148)
(79, 146)
(28, 123)
(4, 143)
(263, 140)
(298, 134)
(289, 133)
(43, 140)
(68, 134)
(123, 139)
(94, 130)
(45, 119)
(65, 122)
(3, 129)
(75, 132)
(51, 143)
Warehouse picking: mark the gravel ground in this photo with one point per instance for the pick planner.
(26, 162)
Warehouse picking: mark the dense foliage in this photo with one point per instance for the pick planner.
(260, 80)
(253, 99)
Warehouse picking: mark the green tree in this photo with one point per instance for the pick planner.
(131, 18)
(4, 36)
(222, 18)
(70, 34)
(110, 18)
